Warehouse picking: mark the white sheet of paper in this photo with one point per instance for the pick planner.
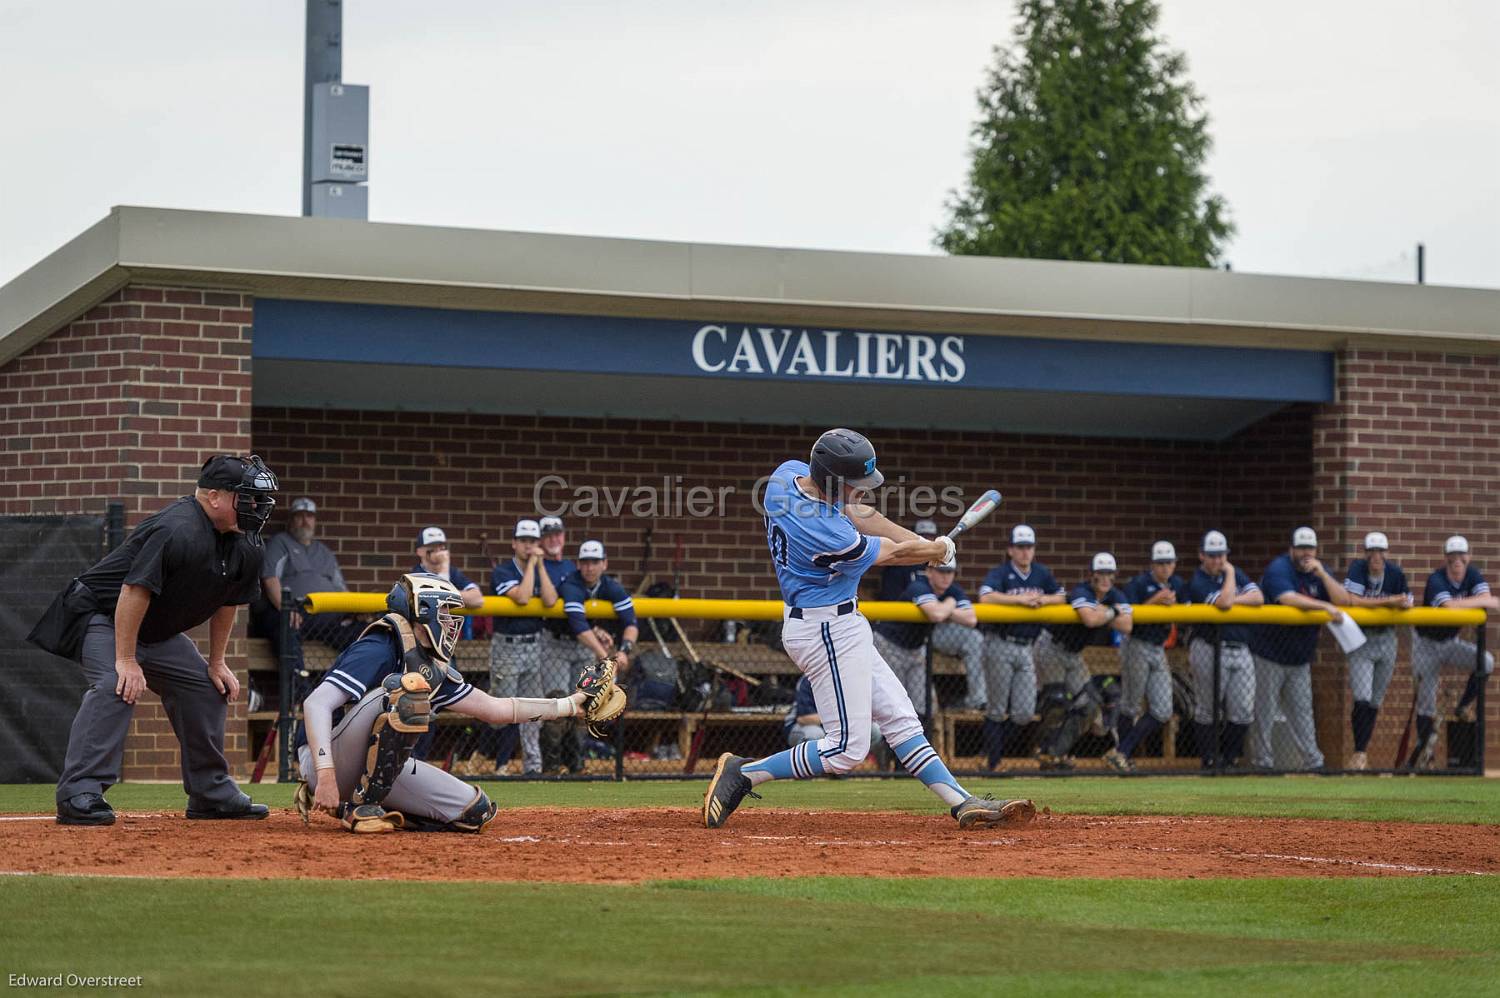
(1347, 633)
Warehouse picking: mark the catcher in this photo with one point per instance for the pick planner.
(360, 723)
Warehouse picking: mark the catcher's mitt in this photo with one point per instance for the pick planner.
(606, 701)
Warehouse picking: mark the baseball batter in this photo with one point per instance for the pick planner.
(361, 722)
(1372, 581)
(1220, 584)
(822, 539)
(1143, 658)
(1458, 585)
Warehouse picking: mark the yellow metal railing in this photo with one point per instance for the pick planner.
(765, 609)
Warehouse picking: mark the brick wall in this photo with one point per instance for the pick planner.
(124, 403)
(380, 476)
(1411, 447)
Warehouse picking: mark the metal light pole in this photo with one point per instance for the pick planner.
(335, 121)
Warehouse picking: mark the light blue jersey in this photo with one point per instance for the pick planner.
(817, 553)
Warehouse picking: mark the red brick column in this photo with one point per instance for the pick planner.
(1410, 447)
(124, 403)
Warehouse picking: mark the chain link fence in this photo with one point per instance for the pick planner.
(1188, 690)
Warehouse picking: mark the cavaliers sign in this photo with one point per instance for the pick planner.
(828, 353)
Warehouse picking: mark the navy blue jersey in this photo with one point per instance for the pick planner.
(1440, 589)
(557, 571)
(1391, 582)
(1007, 578)
(506, 576)
(1288, 644)
(1076, 637)
(1139, 590)
(804, 704)
(1205, 588)
(895, 578)
(574, 591)
(919, 591)
(364, 665)
(460, 580)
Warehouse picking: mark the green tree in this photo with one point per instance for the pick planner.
(1089, 146)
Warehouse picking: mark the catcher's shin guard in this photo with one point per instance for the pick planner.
(473, 819)
(406, 717)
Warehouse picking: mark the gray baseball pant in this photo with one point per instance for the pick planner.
(1009, 680)
(562, 661)
(1236, 682)
(1371, 666)
(1285, 690)
(515, 671)
(1055, 664)
(1428, 659)
(1144, 673)
(909, 665)
(176, 672)
(419, 789)
(965, 643)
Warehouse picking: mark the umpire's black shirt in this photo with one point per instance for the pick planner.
(190, 567)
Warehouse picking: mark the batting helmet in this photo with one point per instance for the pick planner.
(843, 457)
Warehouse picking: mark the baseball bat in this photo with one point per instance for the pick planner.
(981, 508)
(1406, 733)
(265, 753)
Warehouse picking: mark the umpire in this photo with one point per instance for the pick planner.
(196, 560)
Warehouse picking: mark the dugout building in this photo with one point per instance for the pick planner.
(405, 376)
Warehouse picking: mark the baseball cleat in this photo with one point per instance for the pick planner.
(1118, 761)
(987, 812)
(1359, 761)
(725, 791)
(1427, 752)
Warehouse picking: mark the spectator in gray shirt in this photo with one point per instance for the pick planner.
(297, 563)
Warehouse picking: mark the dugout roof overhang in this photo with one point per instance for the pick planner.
(353, 314)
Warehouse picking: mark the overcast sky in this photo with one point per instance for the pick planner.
(1346, 130)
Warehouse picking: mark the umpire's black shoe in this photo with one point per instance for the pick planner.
(85, 809)
(725, 791)
(240, 808)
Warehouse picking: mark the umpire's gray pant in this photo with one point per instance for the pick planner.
(1144, 673)
(1429, 658)
(1371, 666)
(967, 644)
(176, 672)
(1010, 680)
(910, 667)
(1236, 682)
(1284, 690)
(515, 671)
(419, 788)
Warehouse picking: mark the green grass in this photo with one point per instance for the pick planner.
(1445, 799)
(837, 936)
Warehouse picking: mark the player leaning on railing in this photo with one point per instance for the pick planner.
(822, 540)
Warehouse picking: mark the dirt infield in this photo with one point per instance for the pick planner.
(631, 845)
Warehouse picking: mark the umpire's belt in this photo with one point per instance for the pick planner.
(821, 612)
(517, 639)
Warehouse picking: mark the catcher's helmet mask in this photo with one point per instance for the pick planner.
(843, 458)
(253, 501)
(424, 600)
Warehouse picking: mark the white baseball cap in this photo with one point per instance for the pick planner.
(1022, 534)
(1104, 562)
(591, 551)
(1215, 543)
(551, 524)
(431, 535)
(1456, 545)
(1375, 541)
(1304, 537)
(925, 527)
(528, 528)
(304, 505)
(1163, 551)
(951, 565)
